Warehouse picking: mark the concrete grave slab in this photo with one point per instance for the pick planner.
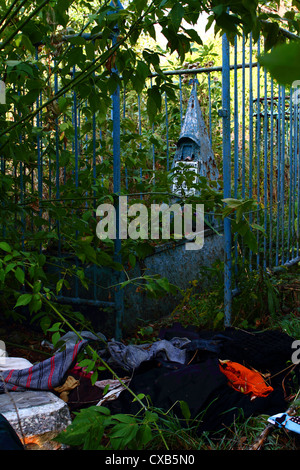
(41, 415)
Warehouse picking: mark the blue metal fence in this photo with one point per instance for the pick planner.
(259, 158)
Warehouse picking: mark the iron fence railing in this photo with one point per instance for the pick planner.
(253, 126)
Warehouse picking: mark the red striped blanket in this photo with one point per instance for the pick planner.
(45, 375)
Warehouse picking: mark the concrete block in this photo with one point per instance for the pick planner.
(41, 416)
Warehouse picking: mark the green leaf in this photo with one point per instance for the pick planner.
(234, 203)
(132, 260)
(123, 418)
(138, 79)
(62, 103)
(271, 32)
(140, 396)
(5, 246)
(251, 241)
(55, 338)
(260, 228)
(45, 323)
(176, 15)
(144, 434)
(122, 434)
(75, 434)
(139, 5)
(151, 417)
(37, 287)
(94, 377)
(85, 363)
(185, 409)
(283, 62)
(194, 36)
(20, 275)
(242, 227)
(90, 50)
(55, 327)
(59, 285)
(24, 299)
(125, 283)
(102, 409)
(153, 102)
(164, 284)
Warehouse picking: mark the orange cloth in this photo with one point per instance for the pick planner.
(245, 380)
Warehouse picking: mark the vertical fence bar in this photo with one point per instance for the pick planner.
(278, 173)
(298, 185)
(119, 295)
(258, 143)
(76, 149)
(271, 173)
(57, 164)
(236, 123)
(3, 173)
(180, 99)
(243, 119)
(21, 177)
(265, 134)
(289, 241)
(282, 197)
(124, 115)
(209, 105)
(250, 135)
(153, 146)
(296, 145)
(94, 197)
(140, 134)
(167, 131)
(226, 177)
(39, 145)
(236, 145)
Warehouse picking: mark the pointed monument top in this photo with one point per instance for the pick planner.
(191, 127)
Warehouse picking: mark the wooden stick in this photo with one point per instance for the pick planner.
(263, 437)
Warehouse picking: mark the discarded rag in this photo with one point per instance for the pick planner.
(114, 388)
(45, 375)
(245, 380)
(131, 357)
(16, 363)
(65, 389)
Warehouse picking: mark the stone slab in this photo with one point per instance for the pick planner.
(41, 415)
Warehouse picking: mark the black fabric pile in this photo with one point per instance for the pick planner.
(204, 387)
